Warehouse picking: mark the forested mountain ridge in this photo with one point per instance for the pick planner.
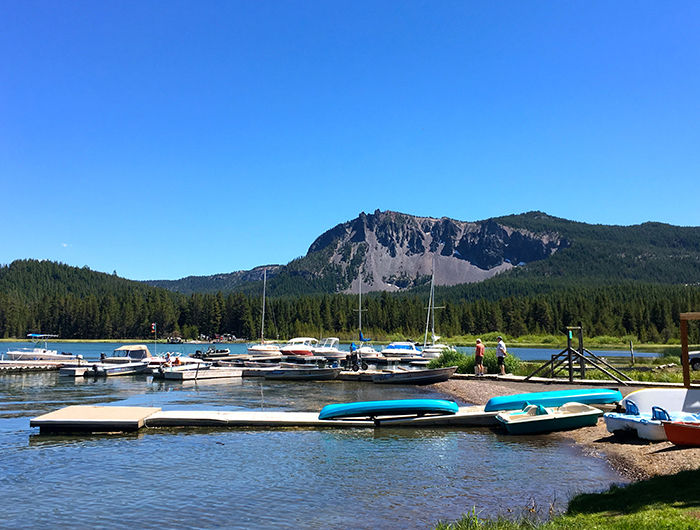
(225, 282)
(42, 296)
(396, 251)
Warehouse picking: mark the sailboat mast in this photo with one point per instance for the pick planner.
(430, 308)
(359, 308)
(262, 324)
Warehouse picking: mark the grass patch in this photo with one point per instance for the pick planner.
(671, 502)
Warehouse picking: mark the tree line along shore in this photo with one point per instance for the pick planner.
(48, 297)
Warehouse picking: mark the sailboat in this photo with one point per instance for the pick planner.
(365, 350)
(264, 347)
(434, 349)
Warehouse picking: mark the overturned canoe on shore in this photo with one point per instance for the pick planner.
(554, 398)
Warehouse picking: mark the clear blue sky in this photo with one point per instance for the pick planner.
(164, 139)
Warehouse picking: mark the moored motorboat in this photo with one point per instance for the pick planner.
(420, 376)
(162, 371)
(328, 348)
(140, 353)
(555, 398)
(212, 354)
(39, 353)
(299, 346)
(401, 349)
(435, 349)
(264, 348)
(535, 419)
(388, 407)
(115, 369)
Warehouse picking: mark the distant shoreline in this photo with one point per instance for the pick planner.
(513, 344)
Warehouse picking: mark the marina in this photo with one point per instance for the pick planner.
(194, 426)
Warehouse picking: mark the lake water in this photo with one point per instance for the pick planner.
(242, 478)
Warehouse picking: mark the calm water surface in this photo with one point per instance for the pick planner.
(244, 478)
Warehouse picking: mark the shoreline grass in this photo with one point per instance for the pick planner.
(665, 501)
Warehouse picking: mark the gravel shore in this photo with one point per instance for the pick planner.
(633, 458)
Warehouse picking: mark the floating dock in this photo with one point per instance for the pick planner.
(100, 419)
(93, 419)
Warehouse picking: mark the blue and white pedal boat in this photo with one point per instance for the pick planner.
(647, 409)
(389, 407)
(554, 398)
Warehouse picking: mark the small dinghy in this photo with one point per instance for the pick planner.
(535, 419)
(683, 433)
(388, 407)
(555, 398)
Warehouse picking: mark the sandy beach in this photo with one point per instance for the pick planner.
(633, 458)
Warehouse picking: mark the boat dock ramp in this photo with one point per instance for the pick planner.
(110, 419)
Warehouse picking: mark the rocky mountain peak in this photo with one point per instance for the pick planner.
(394, 251)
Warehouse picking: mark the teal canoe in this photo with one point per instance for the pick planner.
(554, 398)
(389, 407)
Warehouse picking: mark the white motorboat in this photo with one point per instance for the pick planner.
(299, 346)
(328, 348)
(435, 350)
(140, 353)
(401, 349)
(163, 371)
(264, 347)
(119, 368)
(38, 353)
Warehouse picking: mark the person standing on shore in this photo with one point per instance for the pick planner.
(479, 358)
(501, 353)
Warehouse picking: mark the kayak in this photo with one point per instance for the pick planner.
(389, 407)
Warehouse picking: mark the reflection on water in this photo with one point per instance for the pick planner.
(288, 478)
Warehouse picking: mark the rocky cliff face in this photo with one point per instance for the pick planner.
(392, 251)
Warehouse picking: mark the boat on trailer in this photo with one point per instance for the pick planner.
(554, 398)
(388, 407)
(535, 419)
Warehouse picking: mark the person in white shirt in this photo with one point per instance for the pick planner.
(501, 353)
